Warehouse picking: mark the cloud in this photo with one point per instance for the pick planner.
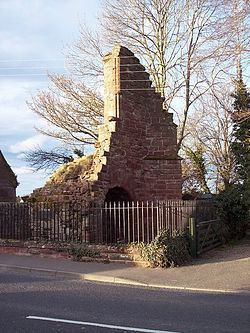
(32, 35)
(12, 92)
(40, 28)
(27, 144)
(22, 170)
(29, 179)
(15, 116)
(14, 46)
(20, 156)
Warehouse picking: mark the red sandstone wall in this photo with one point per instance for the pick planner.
(138, 140)
(136, 147)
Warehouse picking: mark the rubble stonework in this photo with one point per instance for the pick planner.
(8, 181)
(136, 152)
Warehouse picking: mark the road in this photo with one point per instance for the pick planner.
(28, 303)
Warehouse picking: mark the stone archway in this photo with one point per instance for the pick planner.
(114, 224)
(117, 194)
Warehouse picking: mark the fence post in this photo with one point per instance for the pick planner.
(193, 236)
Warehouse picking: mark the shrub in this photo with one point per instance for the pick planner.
(80, 251)
(232, 209)
(165, 250)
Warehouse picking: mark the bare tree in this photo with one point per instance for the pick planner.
(85, 55)
(40, 159)
(182, 43)
(71, 111)
(188, 47)
(235, 31)
(213, 130)
(177, 41)
(211, 126)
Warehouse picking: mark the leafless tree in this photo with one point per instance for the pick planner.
(188, 47)
(212, 130)
(178, 42)
(85, 55)
(40, 159)
(72, 111)
(181, 42)
(211, 126)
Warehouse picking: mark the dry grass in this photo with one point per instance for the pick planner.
(72, 170)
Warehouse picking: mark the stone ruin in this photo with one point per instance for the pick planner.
(136, 153)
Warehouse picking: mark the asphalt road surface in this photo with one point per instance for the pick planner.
(39, 303)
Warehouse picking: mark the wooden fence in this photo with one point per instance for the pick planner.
(123, 222)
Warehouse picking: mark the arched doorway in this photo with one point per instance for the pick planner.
(117, 194)
(115, 214)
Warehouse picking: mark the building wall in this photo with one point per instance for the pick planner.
(7, 194)
(8, 182)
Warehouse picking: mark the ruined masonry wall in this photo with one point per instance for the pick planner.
(136, 147)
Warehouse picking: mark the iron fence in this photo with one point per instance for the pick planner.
(112, 222)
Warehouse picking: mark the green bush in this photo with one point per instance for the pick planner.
(165, 250)
(80, 251)
(233, 210)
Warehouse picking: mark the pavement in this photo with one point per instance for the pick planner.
(222, 270)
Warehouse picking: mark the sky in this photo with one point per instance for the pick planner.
(34, 36)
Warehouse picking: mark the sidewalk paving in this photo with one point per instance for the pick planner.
(221, 270)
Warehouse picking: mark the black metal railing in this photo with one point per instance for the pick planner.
(93, 223)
